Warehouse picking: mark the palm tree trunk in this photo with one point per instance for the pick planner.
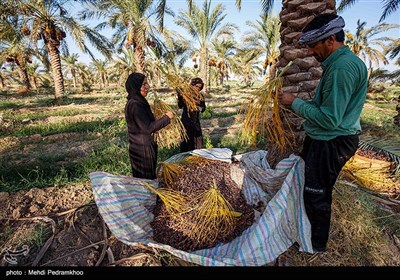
(24, 76)
(139, 52)
(221, 78)
(396, 119)
(103, 80)
(58, 78)
(303, 76)
(74, 79)
(139, 59)
(203, 68)
(272, 69)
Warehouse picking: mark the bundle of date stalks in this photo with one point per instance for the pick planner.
(215, 211)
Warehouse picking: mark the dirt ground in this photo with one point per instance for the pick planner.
(62, 227)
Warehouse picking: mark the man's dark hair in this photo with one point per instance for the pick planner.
(320, 21)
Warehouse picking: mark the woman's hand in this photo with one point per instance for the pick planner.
(170, 114)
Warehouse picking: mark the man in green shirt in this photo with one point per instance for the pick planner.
(332, 118)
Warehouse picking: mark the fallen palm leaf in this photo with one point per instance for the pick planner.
(374, 175)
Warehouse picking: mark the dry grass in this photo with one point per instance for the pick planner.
(356, 237)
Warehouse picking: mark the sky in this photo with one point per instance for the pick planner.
(369, 11)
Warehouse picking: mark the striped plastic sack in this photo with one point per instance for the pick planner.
(126, 207)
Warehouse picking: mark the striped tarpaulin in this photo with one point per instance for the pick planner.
(126, 206)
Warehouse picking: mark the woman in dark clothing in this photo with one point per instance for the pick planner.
(141, 126)
(191, 120)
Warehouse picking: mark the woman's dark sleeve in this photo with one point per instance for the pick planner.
(145, 124)
(181, 103)
(202, 106)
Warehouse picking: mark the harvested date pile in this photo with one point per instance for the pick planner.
(208, 222)
(373, 155)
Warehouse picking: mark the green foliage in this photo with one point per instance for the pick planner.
(379, 123)
(207, 114)
(87, 87)
(113, 158)
(46, 83)
(165, 153)
(39, 235)
(65, 127)
(207, 142)
(39, 174)
(232, 143)
(9, 105)
(390, 149)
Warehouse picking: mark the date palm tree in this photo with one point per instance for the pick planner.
(132, 23)
(172, 53)
(362, 43)
(34, 73)
(224, 50)
(389, 7)
(393, 49)
(265, 36)
(70, 66)
(15, 46)
(50, 21)
(202, 25)
(246, 65)
(101, 71)
(123, 65)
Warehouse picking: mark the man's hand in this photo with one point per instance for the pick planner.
(286, 98)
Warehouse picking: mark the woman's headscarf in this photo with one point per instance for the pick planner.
(133, 85)
(196, 81)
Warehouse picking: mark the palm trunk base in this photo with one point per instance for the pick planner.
(396, 119)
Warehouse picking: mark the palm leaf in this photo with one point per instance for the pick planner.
(387, 147)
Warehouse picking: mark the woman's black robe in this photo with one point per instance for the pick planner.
(191, 122)
(141, 126)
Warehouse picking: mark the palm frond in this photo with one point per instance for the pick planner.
(384, 146)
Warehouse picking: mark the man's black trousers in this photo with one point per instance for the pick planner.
(323, 162)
